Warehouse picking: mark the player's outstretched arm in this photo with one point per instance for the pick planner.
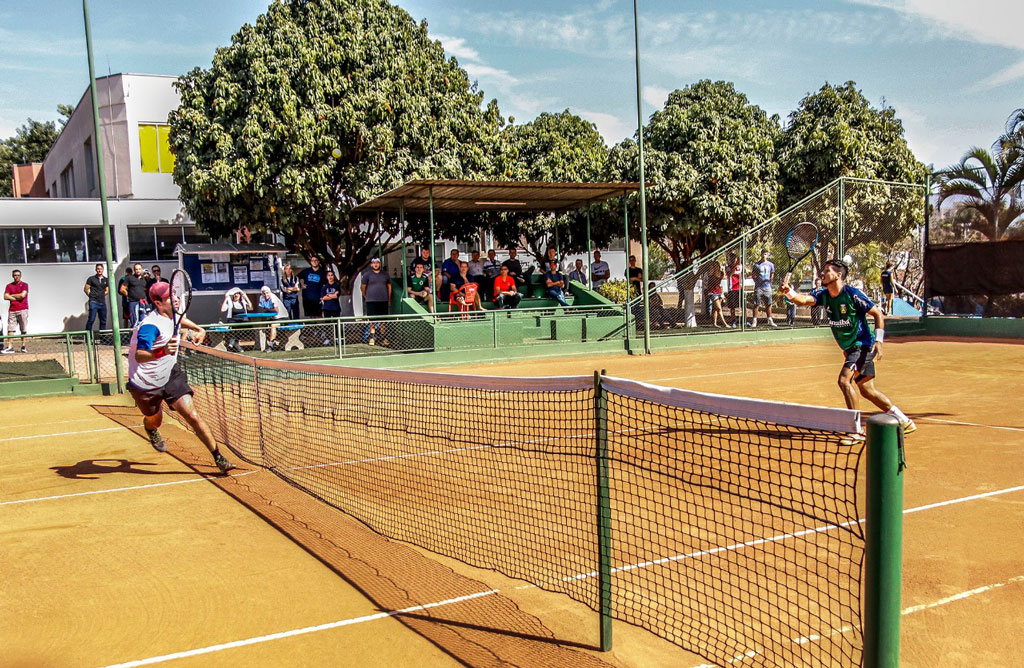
(798, 298)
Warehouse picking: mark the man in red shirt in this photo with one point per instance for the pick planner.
(16, 293)
(505, 294)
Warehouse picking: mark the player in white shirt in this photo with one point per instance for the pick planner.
(154, 376)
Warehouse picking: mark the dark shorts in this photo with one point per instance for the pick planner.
(376, 308)
(732, 298)
(862, 360)
(149, 401)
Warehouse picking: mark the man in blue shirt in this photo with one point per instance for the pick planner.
(312, 279)
(449, 270)
(555, 282)
(763, 272)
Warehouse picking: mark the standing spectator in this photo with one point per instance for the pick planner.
(271, 303)
(423, 261)
(330, 291)
(599, 270)
(459, 283)
(515, 268)
(734, 270)
(505, 293)
(554, 282)
(156, 277)
(419, 287)
(762, 273)
(713, 293)
(578, 274)
(96, 288)
(887, 288)
(312, 279)
(449, 270)
(376, 290)
(636, 277)
(122, 290)
(16, 293)
(134, 290)
(817, 312)
(290, 291)
(790, 311)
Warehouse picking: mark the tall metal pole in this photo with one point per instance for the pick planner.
(625, 219)
(405, 270)
(433, 260)
(590, 259)
(108, 247)
(643, 192)
(924, 243)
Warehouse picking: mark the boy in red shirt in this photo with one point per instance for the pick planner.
(16, 293)
(505, 294)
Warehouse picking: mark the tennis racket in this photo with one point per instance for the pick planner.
(800, 242)
(181, 297)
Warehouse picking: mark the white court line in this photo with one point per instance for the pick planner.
(70, 433)
(492, 592)
(123, 489)
(970, 424)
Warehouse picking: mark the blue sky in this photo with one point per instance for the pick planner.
(954, 70)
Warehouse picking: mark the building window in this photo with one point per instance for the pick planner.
(52, 244)
(90, 169)
(155, 148)
(148, 244)
(67, 180)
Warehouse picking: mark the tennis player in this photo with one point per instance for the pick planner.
(155, 377)
(847, 309)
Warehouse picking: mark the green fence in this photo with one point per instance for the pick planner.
(47, 356)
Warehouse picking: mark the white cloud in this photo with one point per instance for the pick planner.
(655, 96)
(456, 46)
(498, 77)
(993, 22)
(1005, 76)
(611, 127)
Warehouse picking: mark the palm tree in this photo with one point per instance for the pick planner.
(1014, 130)
(985, 190)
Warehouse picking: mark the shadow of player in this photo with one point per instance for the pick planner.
(91, 469)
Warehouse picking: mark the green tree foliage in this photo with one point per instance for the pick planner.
(558, 147)
(320, 106)
(30, 143)
(710, 166)
(616, 290)
(984, 191)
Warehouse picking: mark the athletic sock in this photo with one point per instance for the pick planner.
(898, 414)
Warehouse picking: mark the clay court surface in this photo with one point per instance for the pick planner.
(111, 553)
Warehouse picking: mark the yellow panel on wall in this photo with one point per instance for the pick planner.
(148, 148)
(166, 157)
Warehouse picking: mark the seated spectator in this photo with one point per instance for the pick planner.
(578, 274)
(515, 268)
(459, 283)
(505, 293)
(235, 307)
(476, 269)
(599, 270)
(552, 256)
(271, 303)
(554, 283)
(449, 270)
(419, 287)
(491, 266)
(423, 260)
(659, 316)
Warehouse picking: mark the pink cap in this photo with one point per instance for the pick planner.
(160, 292)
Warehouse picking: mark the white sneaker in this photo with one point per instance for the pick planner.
(852, 439)
(7, 351)
(771, 323)
(24, 349)
(752, 323)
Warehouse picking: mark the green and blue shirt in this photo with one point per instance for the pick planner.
(847, 316)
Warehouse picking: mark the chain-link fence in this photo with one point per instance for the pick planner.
(46, 356)
(874, 226)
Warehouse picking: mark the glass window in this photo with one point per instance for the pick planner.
(194, 236)
(67, 181)
(617, 244)
(11, 249)
(167, 239)
(70, 244)
(40, 245)
(94, 244)
(141, 245)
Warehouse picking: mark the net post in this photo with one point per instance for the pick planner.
(883, 572)
(604, 515)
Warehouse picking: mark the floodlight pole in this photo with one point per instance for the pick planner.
(625, 220)
(405, 271)
(433, 260)
(643, 194)
(115, 314)
(590, 259)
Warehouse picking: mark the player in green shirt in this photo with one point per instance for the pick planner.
(847, 309)
(419, 287)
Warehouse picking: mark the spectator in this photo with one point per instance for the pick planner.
(659, 316)
(97, 287)
(762, 272)
(134, 289)
(552, 256)
(312, 279)
(713, 293)
(122, 291)
(16, 293)
(817, 312)
(290, 291)
(636, 276)
(419, 287)
(330, 291)
(155, 277)
(492, 268)
(599, 270)
(578, 274)
(449, 270)
(235, 307)
(459, 283)
(555, 283)
(887, 288)
(423, 261)
(790, 311)
(734, 270)
(515, 268)
(505, 293)
(271, 303)
(476, 268)
(376, 290)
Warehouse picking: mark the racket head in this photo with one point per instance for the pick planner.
(181, 293)
(801, 240)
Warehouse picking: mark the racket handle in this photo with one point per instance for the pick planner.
(785, 279)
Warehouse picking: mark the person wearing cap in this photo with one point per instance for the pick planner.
(154, 376)
(376, 289)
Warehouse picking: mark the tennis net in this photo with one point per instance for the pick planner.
(731, 524)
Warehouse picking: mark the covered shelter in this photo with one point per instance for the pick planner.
(457, 196)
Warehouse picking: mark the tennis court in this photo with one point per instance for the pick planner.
(119, 554)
